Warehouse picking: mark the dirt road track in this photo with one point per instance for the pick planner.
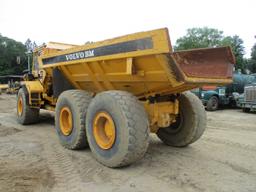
(31, 159)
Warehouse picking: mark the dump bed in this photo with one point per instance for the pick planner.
(141, 63)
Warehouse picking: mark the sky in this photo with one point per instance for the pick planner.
(79, 21)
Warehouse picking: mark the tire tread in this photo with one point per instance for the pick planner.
(138, 138)
(192, 130)
(81, 100)
(31, 115)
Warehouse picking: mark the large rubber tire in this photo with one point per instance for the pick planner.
(190, 124)
(212, 103)
(77, 101)
(28, 115)
(131, 128)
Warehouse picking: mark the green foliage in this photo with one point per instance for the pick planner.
(252, 61)
(236, 43)
(9, 51)
(30, 46)
(209, 37)
(199, 38)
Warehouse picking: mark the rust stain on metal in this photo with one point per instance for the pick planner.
(206, 63)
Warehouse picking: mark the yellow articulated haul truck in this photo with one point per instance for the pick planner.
(110, 95)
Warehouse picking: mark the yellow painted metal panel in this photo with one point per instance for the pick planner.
(4, 86)
(33, 86)
(144, 69)
(159, 37)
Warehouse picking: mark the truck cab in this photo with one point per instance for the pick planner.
(247, 100)
(212, 96)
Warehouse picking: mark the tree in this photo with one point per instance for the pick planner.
(30, 45)
(199, 38)
(9, 51)
(236, 43)
(210, 37)
(252, 60)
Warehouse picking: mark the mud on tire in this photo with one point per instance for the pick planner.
(76, 101)
(190, 125)
(131, 128)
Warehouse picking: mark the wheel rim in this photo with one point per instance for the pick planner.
(20, 106)
(104, 130)
(66, 124)
(176, 127)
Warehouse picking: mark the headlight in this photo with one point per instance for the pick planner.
(235, 95)
(202, 95)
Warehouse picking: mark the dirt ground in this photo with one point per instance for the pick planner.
(224, 159)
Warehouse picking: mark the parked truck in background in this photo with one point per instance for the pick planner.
(12, 83)
(247, 100)
(213, 97)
